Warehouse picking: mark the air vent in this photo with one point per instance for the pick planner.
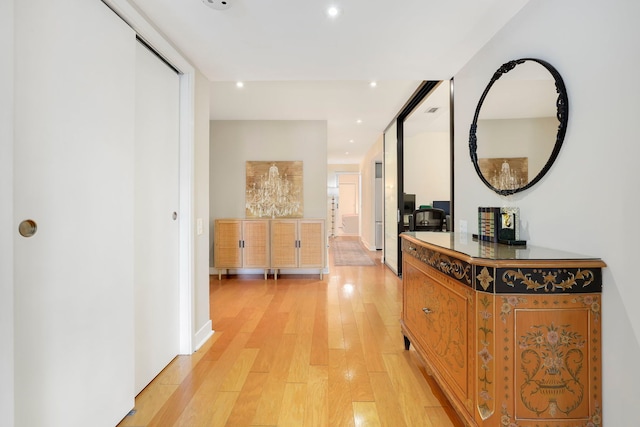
(218, 4)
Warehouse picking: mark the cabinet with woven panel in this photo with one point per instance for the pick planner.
(297, 243)
(240, 244)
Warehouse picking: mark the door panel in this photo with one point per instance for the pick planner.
(255, 236)
(312, 246)
(284, 234)
(227, 250)
(74, 132)
(391, 213)
(157, 295)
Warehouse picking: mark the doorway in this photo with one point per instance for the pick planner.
(348, 211)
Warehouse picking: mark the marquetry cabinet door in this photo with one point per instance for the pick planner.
(440, 314)
(553, 343)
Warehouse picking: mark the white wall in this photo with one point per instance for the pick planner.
(427, 170)
(588, 201)
(234, 142)
(6, 214)
(201, 314)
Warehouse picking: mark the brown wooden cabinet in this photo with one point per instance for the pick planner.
(241, 244)
(269, 244)
(297, 243)
(512, 335)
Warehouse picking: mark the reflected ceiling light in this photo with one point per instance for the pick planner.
(218, 4)
(239, 85)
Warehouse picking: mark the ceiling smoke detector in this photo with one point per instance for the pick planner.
(218, 4)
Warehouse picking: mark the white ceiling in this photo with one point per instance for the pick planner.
(297, 63)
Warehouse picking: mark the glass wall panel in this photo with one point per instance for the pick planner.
(391, 213)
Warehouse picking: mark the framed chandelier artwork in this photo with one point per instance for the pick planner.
(274, 189)
(505, 173)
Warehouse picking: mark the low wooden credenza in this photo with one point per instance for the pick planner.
(511, 334)
(275, 244)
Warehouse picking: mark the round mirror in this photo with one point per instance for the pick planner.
(519, 125)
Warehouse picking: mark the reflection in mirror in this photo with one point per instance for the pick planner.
(427, 148)
(519, 125)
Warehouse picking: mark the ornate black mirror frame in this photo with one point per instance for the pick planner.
(562, 105)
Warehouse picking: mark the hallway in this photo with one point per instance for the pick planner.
(299, 351)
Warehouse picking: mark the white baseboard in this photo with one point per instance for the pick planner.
(368, 245)
(203, 335)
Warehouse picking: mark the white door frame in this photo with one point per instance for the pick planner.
(187, 99)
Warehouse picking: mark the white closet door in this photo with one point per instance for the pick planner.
(157, 296)
(74, 175)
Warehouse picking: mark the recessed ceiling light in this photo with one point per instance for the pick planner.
(346, 152)
(373, 84)
(333, 12)
(358, 121)
(218, 4)
(239, 85)
(351, 141)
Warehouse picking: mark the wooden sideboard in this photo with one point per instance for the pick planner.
(269, 244)
(511, 334)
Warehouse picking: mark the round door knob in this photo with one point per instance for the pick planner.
(27, 228)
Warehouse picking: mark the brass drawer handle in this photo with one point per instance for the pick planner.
(427, 310)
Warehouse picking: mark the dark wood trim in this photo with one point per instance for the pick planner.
(451, 157)
(418, 96)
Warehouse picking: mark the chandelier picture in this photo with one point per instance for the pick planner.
(274, 189)
(505, 173)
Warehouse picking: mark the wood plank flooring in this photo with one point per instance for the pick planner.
(299, 351)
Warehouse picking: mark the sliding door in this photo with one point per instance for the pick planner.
(74, 175)
(157, 200)
(427, 146)
(391, 212)
(427, 163)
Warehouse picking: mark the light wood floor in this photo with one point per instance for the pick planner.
(299, 352)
